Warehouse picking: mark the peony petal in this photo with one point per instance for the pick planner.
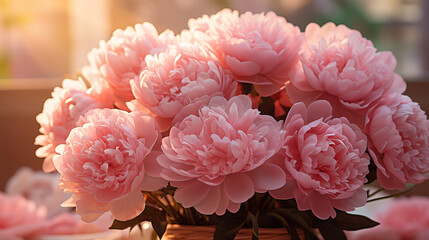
(152, 183)
(223, 203)
(322, 207)
(145, 127)
(239, 187)
(233, 207)
(286, 191)
(90, 209)
(267, 177)
(390, 182)
(296, 109)
(191, 193)
(129, 207)
(358, 199)
(89, 217)
(319, 109)
(242, 68)
(210, 203)
(48, 164)
(151, 165)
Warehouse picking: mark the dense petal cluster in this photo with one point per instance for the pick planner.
(338, 62)
(258, 48)
(184, 74)
(121, 59)
(324, 159)
(399, 134)
(20, 218)
(60, 114)
(107, 161)
(217, 158)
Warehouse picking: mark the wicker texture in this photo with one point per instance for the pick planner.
(189, 232)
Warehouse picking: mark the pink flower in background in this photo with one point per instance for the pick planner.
(39, 187)
(338, 64)
(324, 159)
(399, 134)
(217, 159)
(403, 218)
(184, 74)
(258, 48)
(121, 59)
(20, 218)
(70, 224)
(107, 161)
(60, 114)
(375, 233)
(63, 224)
(408, 216)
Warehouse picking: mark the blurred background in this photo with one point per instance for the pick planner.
(42, 42)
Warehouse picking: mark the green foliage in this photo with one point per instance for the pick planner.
(352, 222)
(229, 225)
(152, 214)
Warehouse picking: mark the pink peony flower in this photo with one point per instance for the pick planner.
(258, 48)
(403, 218)
(324, 159)
(399, 134)
(39, 187)
(334, 56)
(20, 218)
(60, 114)
(107, 161)
(186, 73)
(121, 59)
(217, 158)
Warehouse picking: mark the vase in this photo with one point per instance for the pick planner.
(190, 232)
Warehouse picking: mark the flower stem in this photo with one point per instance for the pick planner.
(393, 195)
(164, 207)
(374, 193)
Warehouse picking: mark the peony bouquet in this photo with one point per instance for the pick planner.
(242, 120)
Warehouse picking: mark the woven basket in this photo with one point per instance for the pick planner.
(189, 232)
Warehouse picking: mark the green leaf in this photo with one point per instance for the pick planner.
(255, 226)
(329, 230)
(154, 215)
(168, 190)
(229, 225)
(289, 225)
(296, 216)
(352, 222)
(159, 227)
